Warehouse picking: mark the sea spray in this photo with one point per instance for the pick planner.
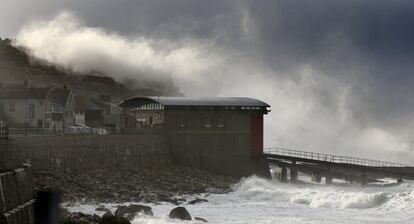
(320, 196)
(259, 189)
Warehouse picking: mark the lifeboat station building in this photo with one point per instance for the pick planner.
(219, 134)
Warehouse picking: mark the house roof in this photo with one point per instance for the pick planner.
(194, 101)
(60, 96)
(81, 103)
(23, 93)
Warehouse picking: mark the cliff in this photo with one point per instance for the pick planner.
(16, 65)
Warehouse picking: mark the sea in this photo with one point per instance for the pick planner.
(257, 200)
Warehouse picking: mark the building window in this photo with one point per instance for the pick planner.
(12, 107)
(221, 123)
(182, 123)
(209, 123)
(31, 111)
(1, 107)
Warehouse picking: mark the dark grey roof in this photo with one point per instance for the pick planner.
(23, 93)
(196, 101)
(60, 96)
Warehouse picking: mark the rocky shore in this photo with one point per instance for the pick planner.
(124, 215)
(169, 184)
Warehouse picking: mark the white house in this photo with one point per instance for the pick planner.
(48, 107)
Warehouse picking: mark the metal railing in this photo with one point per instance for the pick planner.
(330, 158)
(44, 132)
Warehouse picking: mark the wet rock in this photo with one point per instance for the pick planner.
(146, 210)
(79, 218)
(108, 218)
(180, 213)
(197, 201)
(131, 211)
(102, 208)
(176, 200)
(200, 219)
(146, 185)
(107, 214)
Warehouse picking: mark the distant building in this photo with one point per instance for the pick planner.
(62, 108)
(99, 112)
(226, 131)
(24, 106)
(79, 109)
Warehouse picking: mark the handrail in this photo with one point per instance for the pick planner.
(45, 132)
(330, 158)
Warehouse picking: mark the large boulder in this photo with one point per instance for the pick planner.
(131, 211)
(108, 218)
(180, 213)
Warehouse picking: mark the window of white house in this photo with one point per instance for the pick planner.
(31, 111)
(12, 107)
(182, 123)
(221, 123)
(209, 123)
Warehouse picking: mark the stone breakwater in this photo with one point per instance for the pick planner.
(167, 184)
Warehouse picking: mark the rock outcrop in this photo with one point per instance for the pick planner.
(131, 211)
(180, 213)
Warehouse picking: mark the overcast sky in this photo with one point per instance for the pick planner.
(366, 46)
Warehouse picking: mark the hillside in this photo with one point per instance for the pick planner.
(16, 65)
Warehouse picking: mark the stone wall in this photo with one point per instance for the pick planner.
(16, 197)
(78, 153)
(73, 154)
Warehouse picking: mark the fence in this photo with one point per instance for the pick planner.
(329, 158)
(4, 131)
(43, 132)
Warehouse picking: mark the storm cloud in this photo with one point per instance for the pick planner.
(338, 74)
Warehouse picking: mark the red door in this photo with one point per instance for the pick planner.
(256, 133)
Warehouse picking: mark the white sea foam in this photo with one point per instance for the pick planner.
(256, 200)
(318, 196)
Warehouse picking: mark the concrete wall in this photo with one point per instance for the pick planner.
(78, 153)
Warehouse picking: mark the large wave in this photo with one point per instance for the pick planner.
(318, 196)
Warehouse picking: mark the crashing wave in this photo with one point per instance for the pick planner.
(257, 189)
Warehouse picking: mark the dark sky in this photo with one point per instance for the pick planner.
(368, 44)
